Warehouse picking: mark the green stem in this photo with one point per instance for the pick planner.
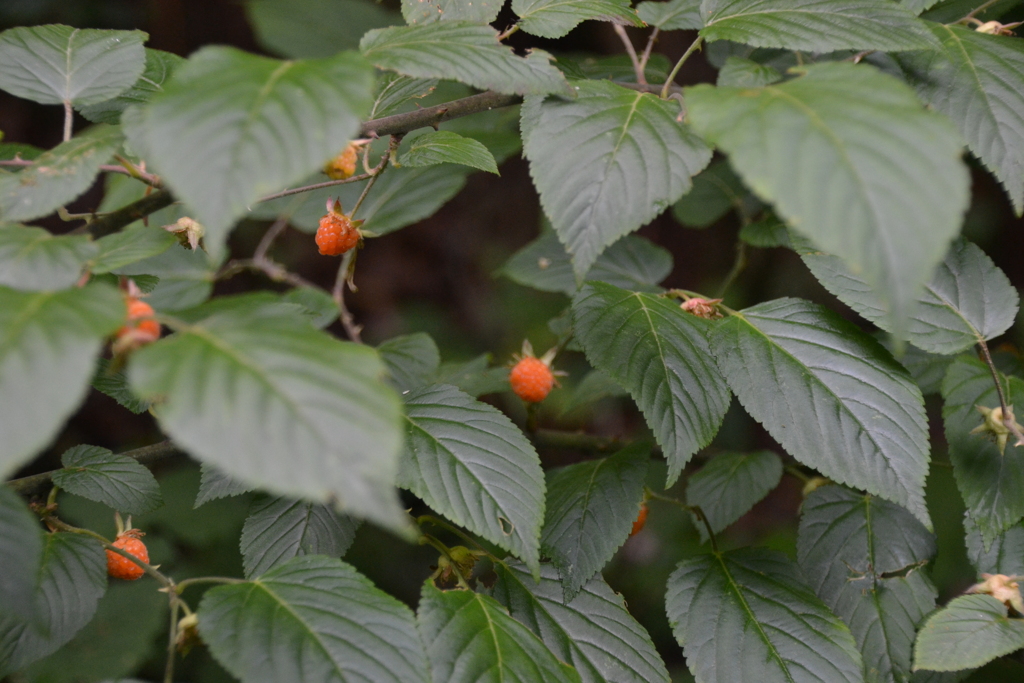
(737, 267)
(443, 549)
(976, 11)
(694, 46)
(163, 580)
(695, 509)
(795, 471)
(172, 640)
(430, 519)
(180, 587)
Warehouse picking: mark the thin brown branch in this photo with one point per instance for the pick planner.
(353, 330)
(69, 118)
(1008, 419)
(115, 220)
(315, 186)
(646, 56)
(631, 51)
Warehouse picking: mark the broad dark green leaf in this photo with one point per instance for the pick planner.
(632, 263)
(555, 18)
(927, 369)
(311, 619)
(185, 277)
(117, 481)
(738, 72)
(766, 233)
(48, 343)
(595, 386)
(22, 540)
(595, 633)
(130, 246)
(278, 529)
(319, 305)
(445, 147)
(863, 557)
(412, 360)
(214, 484)
(473, 465)
(747, 615)
(978, 81)
(159, 66)
(897, 187)
(395, 91)
(967, 300)
(475, 377)
(971, 631)
(470, 637)
(1005, 555)
(307, 29)
(430, 11)
(32, 259)
(660, 355)
(255, 381)
(990, 478)
(590, 511)
(462, 51)
(730, 484)
(58, 176)
(607, 162)
(672, 15)
(72, 579)
(715, 191)
(54, 64)
(831, 395)
(115, 385)
(230, 127)
(815, 25)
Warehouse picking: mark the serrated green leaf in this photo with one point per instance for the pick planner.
(185, 277)
(394, 91)
(32, 259)
(159, 66)
(22, 538)
(660, 355)
(129, 246)
(830, 395)
(497, 129)
(115, 385)
(462, 51)
(632, 263)
(990, 479)
(475, 377)
(1005, 555)
(48, 343)
(54, 64)
(918, 6)
(445, 147)
(320, 305)
(72, 579)
(766, 233)
(862, 556)
(230, 127)
(927, 369)
(555, 18)
(58, 176)
(278, 529)
(473, 465)
(117, 481)
(730, 484)
(976, 80)
(815, 25)
(672, 15)
(312, 618)
(715, 191)
(967, 300)
(214, 484)
(412, 360)
(470, 637)
(594, 632)
(590, 511)
(607, 162)
(756, 599)
(430, 11)
(897, 185)
(738, 72)
(971, 631)
(307, 29)
(253, 381)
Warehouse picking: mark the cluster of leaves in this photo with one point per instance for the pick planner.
(853, 159)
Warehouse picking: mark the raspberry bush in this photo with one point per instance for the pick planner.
(304, 479)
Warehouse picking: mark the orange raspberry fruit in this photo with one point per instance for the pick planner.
(337, 233)
(641, 519)
(140, 328)
(121, 567)
(344, 165)
(531, 379)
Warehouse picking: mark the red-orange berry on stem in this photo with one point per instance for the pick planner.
(337, 233)
(641, 519)
(140, 329)
(121, 567)
(531, 379)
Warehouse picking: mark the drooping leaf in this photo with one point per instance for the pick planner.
(230, 127)
(473, 465)
(48, 343)
(862, 555)
(815, 25)
(976, 80)
(58, 176)
(730, 484)
(214, 484)
(831, 395)
(115, 385)
(660, 355)
(312, 618)
(22, 540)
(672, 15)
(278, 529)
(594, 632)
(462, 51)
(755, 600)
(114, 480)
(445, 147)
(897, 187)
(430, 11)
(72, 579)
(971, 631)
(159, 66)
(130, 246)
(54, 64)
(590, 511)
(254, 381)
(990, 478)
(967, 299)
(607, 162)
(470, 637)
(412, 360)
(32, 259)
(555, 18)
(307, 29)
(394, 91)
